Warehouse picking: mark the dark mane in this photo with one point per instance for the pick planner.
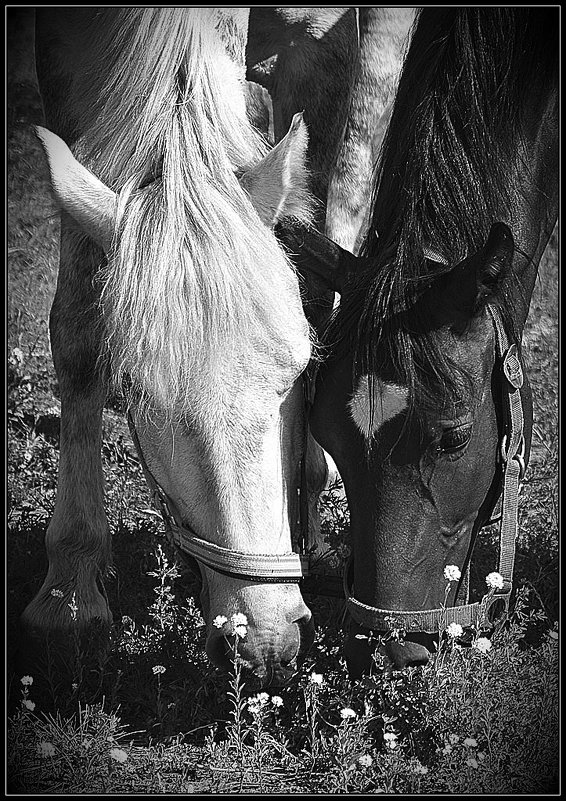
(445, 174)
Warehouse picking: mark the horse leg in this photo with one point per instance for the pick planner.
(78, 539)
(317, 475)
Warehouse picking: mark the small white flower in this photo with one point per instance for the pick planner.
(347, 713)
(118, 755)
(365, 760)
(454, 630)
(447, 749)
(239, 619)
(453, 739)
(219, 621)
(482, 644)
(263, 698)
(472, 762)
(28, 704)
(494, 581)
(158, 669)
(470, 742)
(56, 593)
(420, 769)
(390, 736)
(27, 681)
(241, 631)
(45, 749)
(452, 573)
(316, 678)
(276, 700)
(481, 756)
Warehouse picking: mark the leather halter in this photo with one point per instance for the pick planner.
(512, 459)
(257, 567)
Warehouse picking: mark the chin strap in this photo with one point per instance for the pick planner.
(481, 615)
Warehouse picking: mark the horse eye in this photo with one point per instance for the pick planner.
(454, 439)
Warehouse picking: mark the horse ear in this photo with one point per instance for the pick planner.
(277, 186)
(90, 202)
(495, 262)
(312, 252)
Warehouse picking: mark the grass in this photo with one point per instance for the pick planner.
(153, 716)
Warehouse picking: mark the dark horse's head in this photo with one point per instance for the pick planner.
(412, 400)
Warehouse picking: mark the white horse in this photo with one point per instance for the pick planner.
(173, 288)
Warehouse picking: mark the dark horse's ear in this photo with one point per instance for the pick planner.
(494, 262)
(312, 252)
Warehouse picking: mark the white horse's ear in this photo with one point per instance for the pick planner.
(80, 193)
(277, 186)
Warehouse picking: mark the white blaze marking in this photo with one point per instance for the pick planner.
(388, 400)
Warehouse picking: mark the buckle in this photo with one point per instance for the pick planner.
(519, 456)
(512, 367)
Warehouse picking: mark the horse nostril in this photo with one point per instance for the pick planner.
(305, 625)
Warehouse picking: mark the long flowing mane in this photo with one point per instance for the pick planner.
(194, 273)
(447, 171)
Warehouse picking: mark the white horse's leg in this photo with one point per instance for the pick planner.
(317, 475)
(78, 537)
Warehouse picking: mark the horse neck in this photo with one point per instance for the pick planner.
(534, 207)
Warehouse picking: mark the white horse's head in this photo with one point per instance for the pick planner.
(208, 330)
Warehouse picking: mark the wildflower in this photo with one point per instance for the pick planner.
(56, 593)
(45, 749)
(470, 742)
(420, 769)
(347, 713)
(276, 700)
(239, 619)
(472, 762)
(365, 760)
(482, 644)
(241, 631)
(219, 621)
(454, 630)
(316, 678)
(27, 681)
(118, 755)
(390, 739)
(453, 739)
(452, 573)
(73, 607)
(494, 581)
(158, 669)
(447, 749)
(28, 704)
(481, 756)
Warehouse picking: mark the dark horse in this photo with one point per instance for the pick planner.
(421, 401)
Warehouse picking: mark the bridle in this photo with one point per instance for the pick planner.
(483, 614)
(257, 567)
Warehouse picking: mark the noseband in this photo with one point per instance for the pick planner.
(261, 568)
(481, 615)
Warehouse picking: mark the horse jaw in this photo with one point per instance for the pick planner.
(80, 193)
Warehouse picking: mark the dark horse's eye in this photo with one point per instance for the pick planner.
(455, 439)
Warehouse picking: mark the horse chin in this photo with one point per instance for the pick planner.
(361, 653)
